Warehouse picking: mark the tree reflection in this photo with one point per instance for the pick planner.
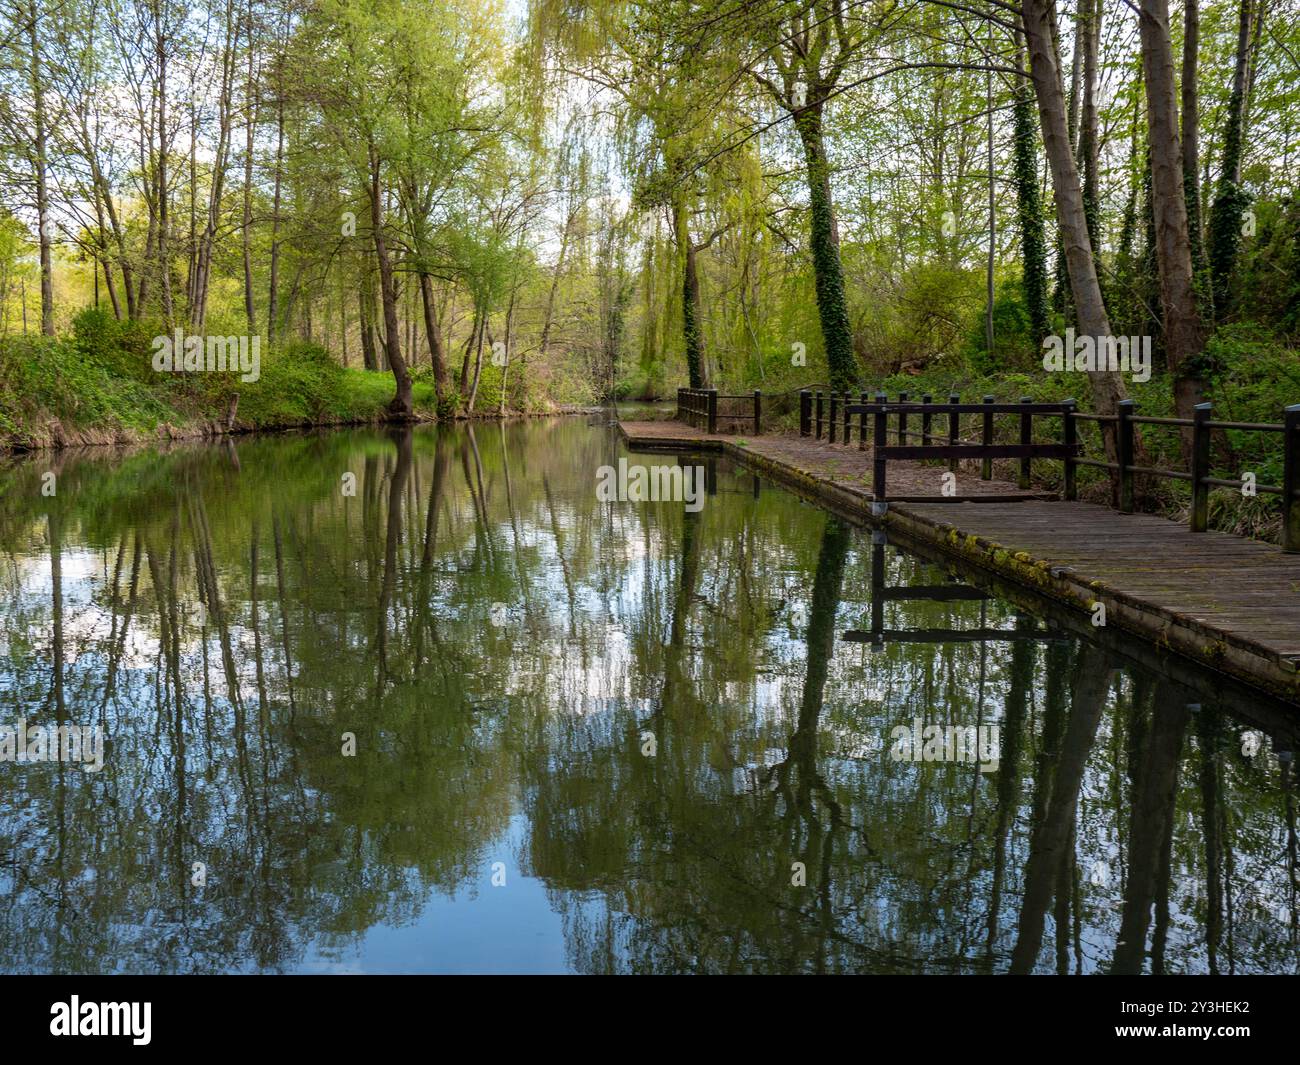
(500, 643)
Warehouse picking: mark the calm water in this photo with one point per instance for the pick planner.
(589, 737)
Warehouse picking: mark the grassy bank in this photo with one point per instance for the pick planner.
(98, 385)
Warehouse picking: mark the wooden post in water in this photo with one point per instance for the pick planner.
(1124, 453)
(1200, 511)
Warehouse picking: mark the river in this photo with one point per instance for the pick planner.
(423, 702)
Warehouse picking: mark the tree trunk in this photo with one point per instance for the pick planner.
(39, 164)
(690, 295)
(273, 297)
(1231, 199)
(437, 355)
(1183, 330)
(1090, 309)
(403, 405)
(1192, 130)
(164, 243)
(832, 306)
(250, 309)
(1088, 143)
(367, 299)
(549, 317)
(207, 241)
(1029, 205)
(478, 362)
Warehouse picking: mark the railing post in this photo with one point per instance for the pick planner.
(819, 414)
(678, 415)
(1200, 512)
(925, 422)
(1124, 453)
(848, 419)
(1026, 438)
(877, 454)
(713, 411)
(834, 417)
(902, 420)
(805, 412)
(1070, 437)
(953, 421)
(862, 424)
(1291, 479)
(986, 438)
(758, 412)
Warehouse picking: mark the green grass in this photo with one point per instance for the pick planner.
(100, 380)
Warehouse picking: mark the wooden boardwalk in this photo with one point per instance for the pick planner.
(1221, 600)
(846, 467)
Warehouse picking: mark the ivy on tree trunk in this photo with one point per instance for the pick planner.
(832, 306)
(1029, 204)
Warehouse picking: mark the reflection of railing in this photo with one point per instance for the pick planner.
(699, 407)
(878, 635)
(828, 417)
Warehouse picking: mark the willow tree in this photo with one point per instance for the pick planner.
(672, 107)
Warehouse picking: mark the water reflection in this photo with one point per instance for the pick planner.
(667, 732)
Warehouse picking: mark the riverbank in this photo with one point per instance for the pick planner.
(97, 387)
(1222, 601)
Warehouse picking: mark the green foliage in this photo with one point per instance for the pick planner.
(1015, 344)
(56, 377)
(100, 380)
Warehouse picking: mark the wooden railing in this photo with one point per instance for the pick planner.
(699, 407)
(829, 417)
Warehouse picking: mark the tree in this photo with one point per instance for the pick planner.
(1039, 18)
(1184, 331)
(810, 46)
(1231, 198)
